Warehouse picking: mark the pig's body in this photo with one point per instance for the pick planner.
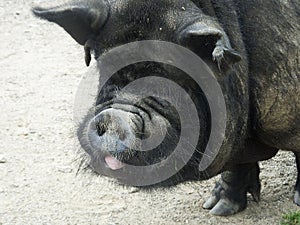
(270, 33)
(261, 85)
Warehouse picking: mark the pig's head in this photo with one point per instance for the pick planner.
(113, 131)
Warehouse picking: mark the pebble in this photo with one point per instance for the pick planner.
(65, 170)
(2, 159)
(134, 190)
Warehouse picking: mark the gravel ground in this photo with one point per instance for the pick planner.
(41, 67)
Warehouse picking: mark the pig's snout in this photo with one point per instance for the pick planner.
(109, 122)
(120, 137)
(114, 135)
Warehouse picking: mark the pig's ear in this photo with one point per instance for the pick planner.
(209, 42)
(82, 20)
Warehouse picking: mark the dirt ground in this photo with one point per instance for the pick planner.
(41, 67)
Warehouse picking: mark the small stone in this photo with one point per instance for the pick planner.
(65, 170)
(2, 159)
(133, 190)
(183, 8)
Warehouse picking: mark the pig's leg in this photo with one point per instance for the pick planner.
(230, 193)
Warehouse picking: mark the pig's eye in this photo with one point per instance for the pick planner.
(100, 129)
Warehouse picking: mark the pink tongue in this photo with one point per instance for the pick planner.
(113, 163)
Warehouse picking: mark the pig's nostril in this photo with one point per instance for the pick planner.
(100, 129)
(122, 135)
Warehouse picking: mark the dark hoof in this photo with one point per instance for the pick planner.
(297, 187)
(297, 198)
(222, 202)
(230, 194)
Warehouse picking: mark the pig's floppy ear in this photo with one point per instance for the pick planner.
(82, 20)
(209, 42)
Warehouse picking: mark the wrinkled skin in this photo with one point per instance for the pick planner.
(253, 49)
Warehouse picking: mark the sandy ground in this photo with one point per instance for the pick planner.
(41, 67)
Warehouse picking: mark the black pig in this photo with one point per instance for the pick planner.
(252, 47)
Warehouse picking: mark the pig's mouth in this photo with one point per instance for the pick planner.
(113, 163)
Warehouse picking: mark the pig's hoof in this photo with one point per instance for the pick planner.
(226, 201)
(297, 186)
(230, 193)
(297, 198)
